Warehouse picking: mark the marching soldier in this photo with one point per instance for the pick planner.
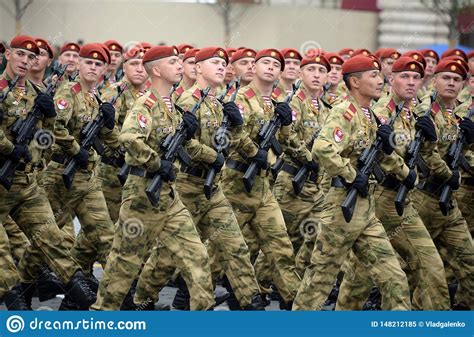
(407, 233)
(140, 224)
(229, 71)
(24, 201)
(69, 54)
(387, 57)
(432, 59)
(189, 72)
(243, 65)
(337, 89)
(289, 75)
(349, 129)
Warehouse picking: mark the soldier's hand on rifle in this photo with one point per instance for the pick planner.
(426, 126)
(261, 159)
(231, 110)
(82, 158)
(410, 180)
(361, 184)
(219, 162)
(467, 126)
(166, 170)
(108, 111)
(19, 152)
(45, 104)
(312, 166)
(283, 110)
(385, 132)
(191, 123)
(455, 180)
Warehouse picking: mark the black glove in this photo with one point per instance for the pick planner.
(82, 158)
(467, 126)
(312, 166)
(219, 162)
(233, 113)
(283, 110)
(108, 111)
(385, 132)
(191, 124)
(45, 104)
(166, 171)
(410, 180)
(361, 184)
(19, 152)
(261, 159)
(426, 126)
(454, 180)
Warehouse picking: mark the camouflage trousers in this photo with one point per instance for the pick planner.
(465, 198)
(216, 223)
(410, 238)
(140, 226)
(111, 188)
(31, 211)
(452, 233)
(10, 276)
(86, 201)
(366, 237)
(260, 211)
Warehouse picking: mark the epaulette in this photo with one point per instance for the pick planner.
(249, 93)
(3, 84)
(197, 94)
(231, 91)
(150, 101)
(391, 105)
(179, 91)
(76, 88)
(301, 95)
(435, 108)
(349, 113)
(276, 93)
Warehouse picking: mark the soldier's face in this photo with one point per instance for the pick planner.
(115, 60)
(292, 69)
(71, 58)
(370, 84)
(268, 69)
(245, 69)
(20, 61)
(471, 64)
(314, 76)
(212, 70)
(406, 84)
(430, 66)
(90, 70)
(448, 84)
(42, 61)
(387, 64)
(335, 75)
(471, 84)
(189, 68)
(135, 72)
(171, 69)
(229, 73)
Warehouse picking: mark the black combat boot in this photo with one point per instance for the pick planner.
(257, 304)
(49, 285)
(79, 291)
(14, 299)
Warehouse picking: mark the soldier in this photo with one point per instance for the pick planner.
(183, 48)
(141, 224)
(259, 208)
(229, 71)
(450, 230)
(407, 233)
(243, 65)
(215, 218)
(349, 129)
(189, 72)
(337, 89)
(69, 54)
(114, 70)
(345, 53)
(387, 57)
(432, 59)
(289, 75)
(24, 201)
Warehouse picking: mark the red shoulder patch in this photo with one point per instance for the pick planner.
(249, 93)
(76, 88)
(150, 101)
(179, 91)
(349, 113)
(276, 93)
(301, 95)
(231, 91)
(391, 105)
(3, 83)
(197, 94)
(142, 121)
(435, 108)
(62, 104)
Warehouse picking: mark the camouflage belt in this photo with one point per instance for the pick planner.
(391, 183)
(194, 171)
(140, 172)
(292, 170)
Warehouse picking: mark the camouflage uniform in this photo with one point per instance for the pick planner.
(450, 231)
(140, 224)
(408, 235)
(75, 108)
(214, 218)
(344, 136)
(259, 209)
(25, 202)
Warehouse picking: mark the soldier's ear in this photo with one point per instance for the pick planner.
(8, 54)
(198, 68)
(354, 82)
(390, 80)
